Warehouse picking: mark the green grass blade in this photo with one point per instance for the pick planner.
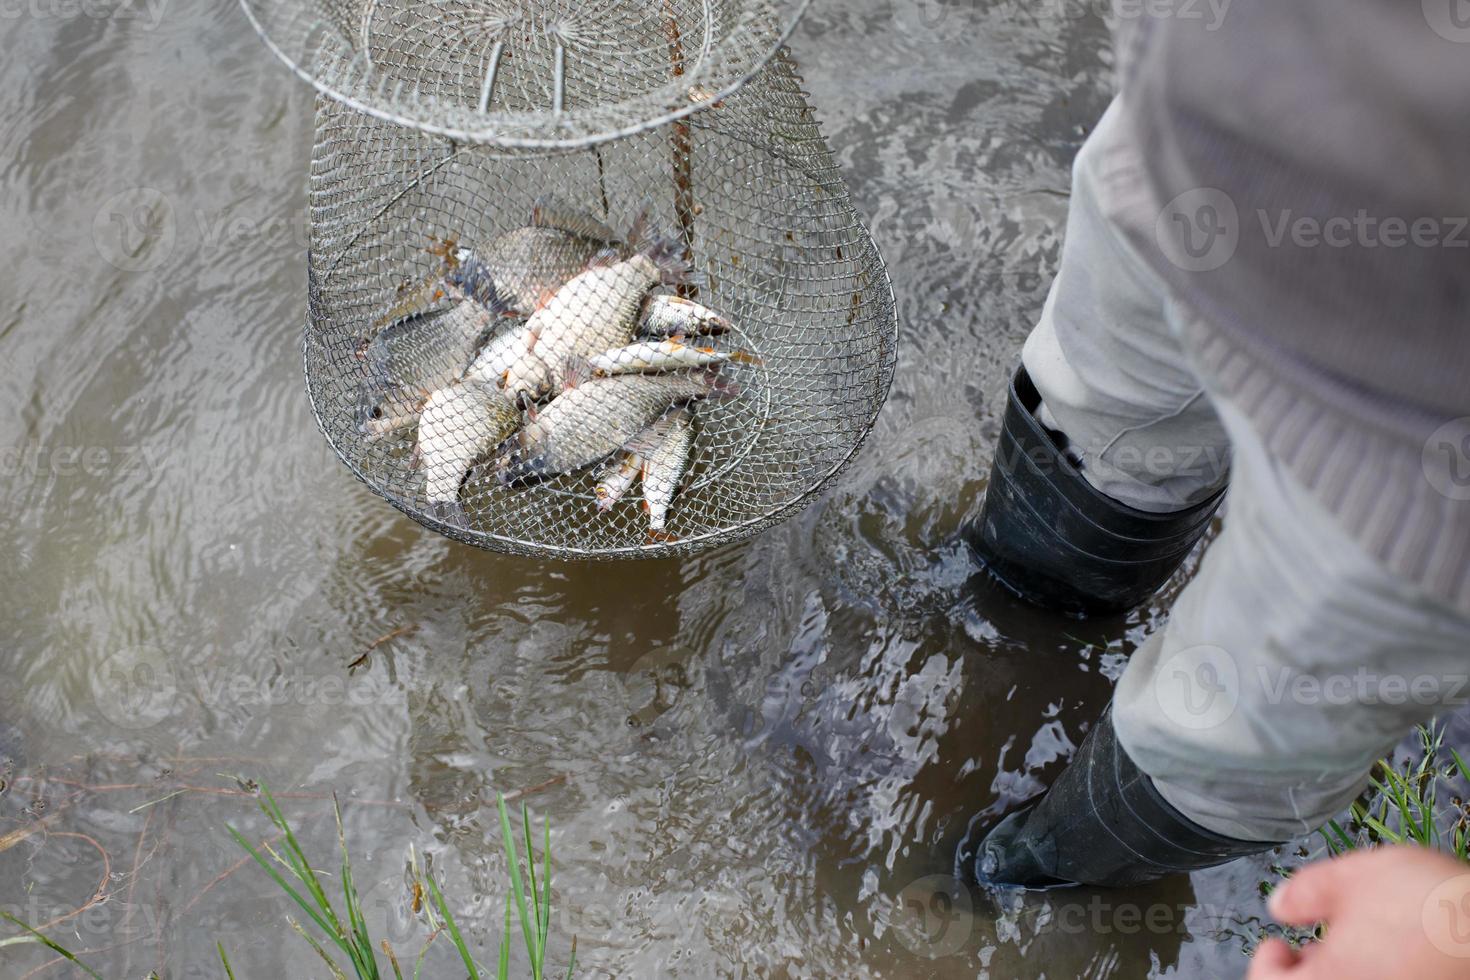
(392, 960)
(503, 969)
(418, 963)
(301, 867)
(336, 970)
(528, 930)
(53, 946)
(573, 964)
(546, 884)
(224, 960)
(459, 944)
(531, 874)
(286, 887)
(363, 957)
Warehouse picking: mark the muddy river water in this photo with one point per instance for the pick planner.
(757, 762)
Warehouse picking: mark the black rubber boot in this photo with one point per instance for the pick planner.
(1052, 538)
(1102, 823)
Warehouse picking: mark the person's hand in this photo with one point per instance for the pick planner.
(1389, 912)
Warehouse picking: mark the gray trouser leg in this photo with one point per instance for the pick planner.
(1293, 660)
(1288, 666)
(1106, 358)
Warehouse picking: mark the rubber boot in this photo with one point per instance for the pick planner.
(1055, 540)
(1102, 823)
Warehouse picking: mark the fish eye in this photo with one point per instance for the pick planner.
(377, 412)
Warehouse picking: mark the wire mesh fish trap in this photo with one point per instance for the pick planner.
(744, 333)
(526, 73)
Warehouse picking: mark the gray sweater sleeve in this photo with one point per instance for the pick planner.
(1339, 130)
(1306, 191)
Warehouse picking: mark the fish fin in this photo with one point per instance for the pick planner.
(660, 536)
(644, 443)
(745, 357)
(638, 228)
(416, 459)
(605, 258)
(547, 213)
(668, 254)
(576, 370)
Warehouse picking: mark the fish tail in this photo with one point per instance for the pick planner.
(660, 536)
(745, 357)
(719, 388)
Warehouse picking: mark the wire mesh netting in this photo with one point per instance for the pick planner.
(526, 73)
(645, 347)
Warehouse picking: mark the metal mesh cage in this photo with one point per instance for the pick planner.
(745, 193)
(526, 73)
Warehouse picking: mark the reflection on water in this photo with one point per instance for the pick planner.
(760, 759)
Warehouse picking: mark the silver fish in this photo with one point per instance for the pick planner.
(616, 479)
(596, 311)
(460, 425)
(662, 355)
(664, 470)
(409, 360)
(669, 316)
(589, 422)
(508, 363)
(515, 272)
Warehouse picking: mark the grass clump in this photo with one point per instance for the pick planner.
(348, 931)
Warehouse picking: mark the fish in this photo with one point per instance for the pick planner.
(460, 425)
(616, 479)
(516, 272)
(661, 355)
(529, 264)
(671, 316)
(597, 418)
(597, 310)
(409, 360)
(663, 470)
